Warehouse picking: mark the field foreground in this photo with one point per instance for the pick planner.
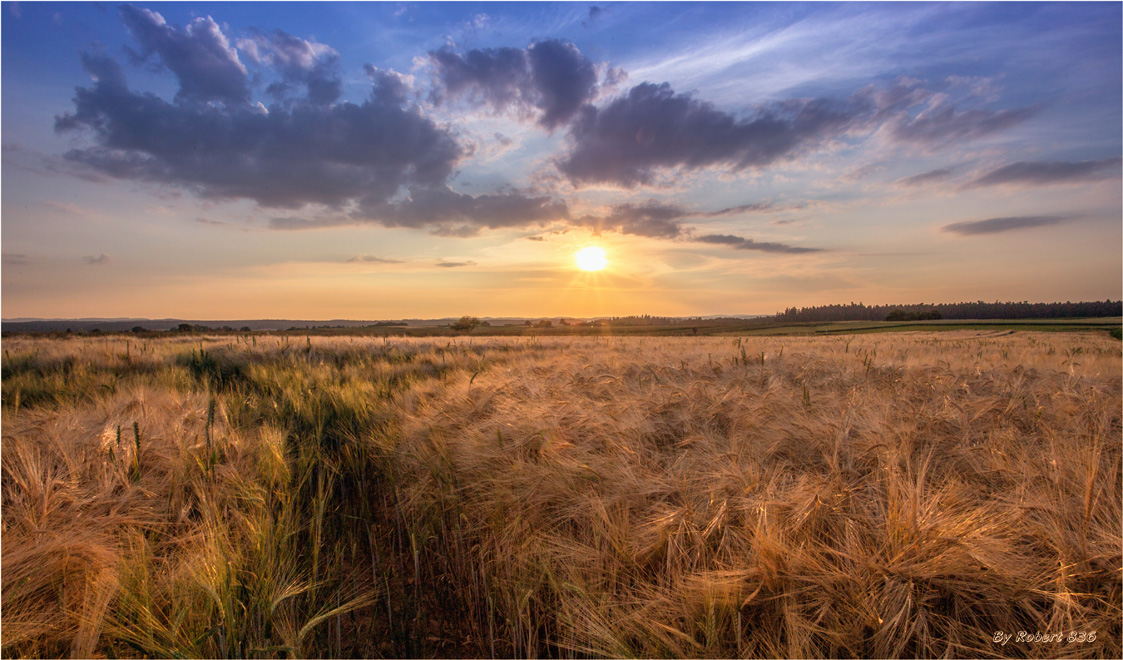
(886, 495)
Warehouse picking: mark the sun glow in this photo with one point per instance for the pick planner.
(591, 258)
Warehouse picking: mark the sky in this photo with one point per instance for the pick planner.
(421, 160)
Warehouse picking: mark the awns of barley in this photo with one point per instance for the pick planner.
(874, 495)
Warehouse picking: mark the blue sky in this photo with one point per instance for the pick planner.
(388, 160)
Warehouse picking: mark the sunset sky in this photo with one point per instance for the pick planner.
(403, 160)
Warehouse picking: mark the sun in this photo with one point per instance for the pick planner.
(591, 258)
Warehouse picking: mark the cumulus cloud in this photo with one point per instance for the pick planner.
(199, 55)
(739, 243)
(1036, 173)
(996, 225)
(550, 79)
(925, 178)
(328, 155)
(653, 127)
(98, 260)
(313, 65)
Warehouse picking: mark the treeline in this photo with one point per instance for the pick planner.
(965, 310)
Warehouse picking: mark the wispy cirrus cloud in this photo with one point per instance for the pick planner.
(1037, 173)
(925, 178)
(740, 243)
(454, 264)
(372, 259)
(999, 225)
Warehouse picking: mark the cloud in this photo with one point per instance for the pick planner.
(757, 207)
(944, 123)
(595, 12)
(535, 238)
(329, 155)
(199, 55)
(550, 79)
(300, 62)
(658, 220)
(12, 259)
(1036, 173)
(653, 127)
(926, 177)
(95, 261)
(371, 259)
(454, 264)
(456, 214)
(739, 243)
(652, 219)
(996, 225)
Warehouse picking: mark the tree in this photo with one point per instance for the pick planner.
(466, 324)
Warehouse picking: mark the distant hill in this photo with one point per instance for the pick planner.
(127, 324)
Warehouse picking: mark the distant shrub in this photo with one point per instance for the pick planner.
(466, 324)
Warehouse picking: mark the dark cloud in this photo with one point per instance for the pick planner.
(996, 225)
(371, 259)
(652, 127)
(451, 213)
(313, 65)
(103, 69)
(329, 155)
(739, 243)
(652, 219)
(926, 177)
(454, 264)
(1035, 173)
(98, 260)
(550, 79)
(657, 220)
(535, 238)
(199, 55)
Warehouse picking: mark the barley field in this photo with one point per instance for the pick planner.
(904, 495)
